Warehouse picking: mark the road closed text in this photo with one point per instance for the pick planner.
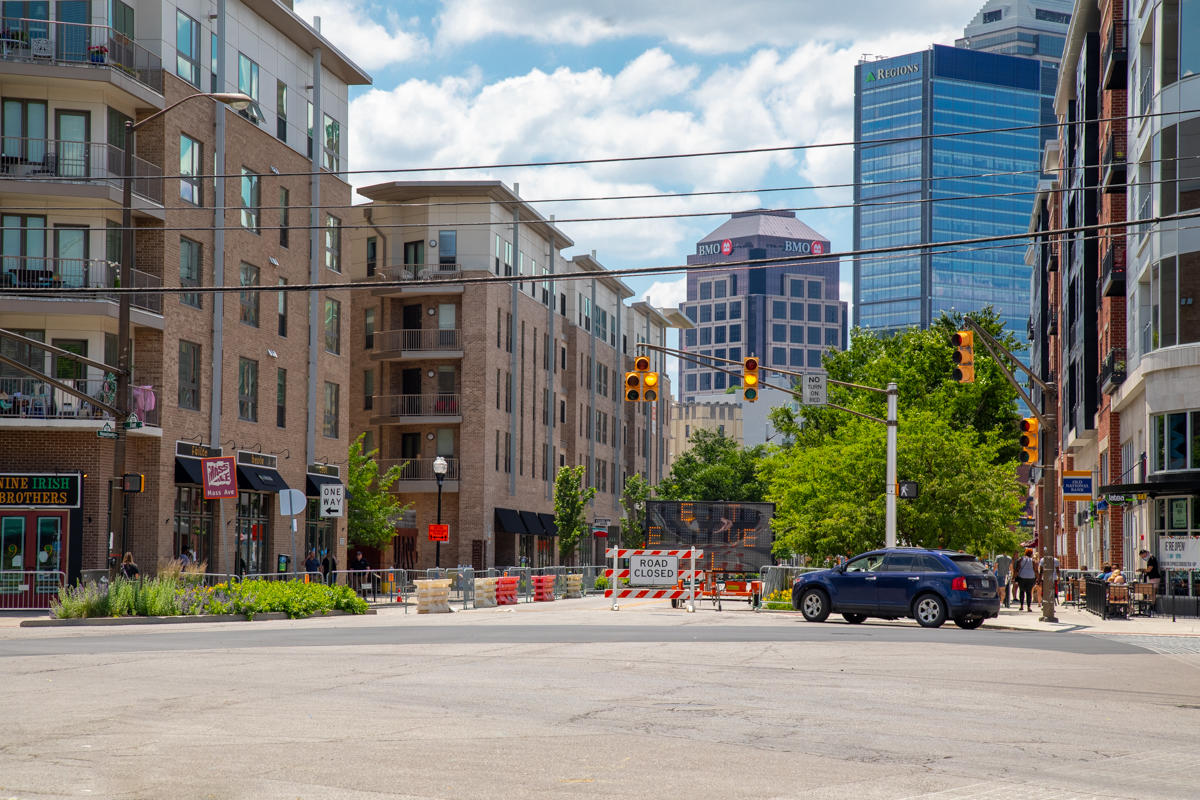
(653, 570)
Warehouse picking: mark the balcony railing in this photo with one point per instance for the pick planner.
(76, 44)
(19, 272)
(416, 405)
(63, 160)
(1112, 268)
(30, 398)
(419, 272)
(1114, 57)
(1112, 165)
(419, 469)
(418, 339)
(1112, 370)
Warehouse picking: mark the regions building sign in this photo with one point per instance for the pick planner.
(885, 73)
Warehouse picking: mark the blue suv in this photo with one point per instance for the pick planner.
(929, 586)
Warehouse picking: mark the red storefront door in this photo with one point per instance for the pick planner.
(33, 552)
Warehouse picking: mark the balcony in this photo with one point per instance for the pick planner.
(1112, 370)
(26, 398)
(438, 275)
(1112, 166)
(418, 469)
(1114, 57)
(416, 408)
(1112, 268)
(417, 343)
(30, 164)
(78, 46)
(21, 272)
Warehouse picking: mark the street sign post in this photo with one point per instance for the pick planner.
(333, 499)
(292, 503)
(600, 526)
(106, 432)
(816, 389)
(1076, 484)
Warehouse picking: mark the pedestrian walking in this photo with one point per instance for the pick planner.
(329, 566)
(1026, 572)
(1003, 572)
(312, 564)
(129, 570)
(361, 570)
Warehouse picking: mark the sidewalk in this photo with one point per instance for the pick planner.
(1074, 620)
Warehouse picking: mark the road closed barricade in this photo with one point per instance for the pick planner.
(654, 574)
(485, 592)
(543, 588)
(506, 590)
(433, 596)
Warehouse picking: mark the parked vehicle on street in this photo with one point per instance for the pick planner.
(929, 586)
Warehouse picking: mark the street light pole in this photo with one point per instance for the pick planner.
(893, 401)
(236, 100)
(439, 471)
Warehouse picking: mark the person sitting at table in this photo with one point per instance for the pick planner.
(1105, 571)
(1116, 577)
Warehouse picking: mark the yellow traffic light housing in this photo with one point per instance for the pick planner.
(641, 364)
(1029, 440)
(750, 384)
(964, 356)
(650, 382)
(633, 387)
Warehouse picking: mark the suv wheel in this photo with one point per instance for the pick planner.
(969, 623)
(854, 619)
(929, 611)
(814, 605)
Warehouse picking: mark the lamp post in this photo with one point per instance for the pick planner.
(439, 471)
(237, 101)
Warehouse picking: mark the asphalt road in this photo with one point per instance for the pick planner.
(575, 701)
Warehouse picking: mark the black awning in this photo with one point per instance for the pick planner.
(509, 521)
(188, 470)
(1188, 485)
(548, 524)
(260, 479)
(315, 482)
(532, 523)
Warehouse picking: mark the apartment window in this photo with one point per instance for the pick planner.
(285, 222)
(369, 329)
(189, 271)
(189, 375)
(372, 255)
(447, 248)
(248, 389)
(333, 144)
(281, 104)
(1175, 441)
(330, 427)
(25, 130)
(333, 326)
(368, 389)
(281, 398)
(251, 200)
(214, 52)
(249, 300)
(282, 308)
(333, 243)
(190, 168)
(248, 85)
(310, 127)
(187, 48)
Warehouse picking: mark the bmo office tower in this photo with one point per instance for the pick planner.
(787, 314)
(931, 188)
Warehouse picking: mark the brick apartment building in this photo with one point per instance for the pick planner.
(506, 380)
(229, 374)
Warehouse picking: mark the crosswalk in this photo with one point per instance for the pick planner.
(1166, 645)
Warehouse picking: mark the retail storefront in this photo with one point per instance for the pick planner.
(195, 517)
(320, 532)
(41, 528)
(259, 483)
(1156, 513)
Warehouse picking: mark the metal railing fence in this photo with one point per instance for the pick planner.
(79, 44)
(30, 398)
(434, 339)
(30, 589)
(434, 404)
(34, 158)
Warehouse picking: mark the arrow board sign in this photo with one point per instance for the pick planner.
(333, 499)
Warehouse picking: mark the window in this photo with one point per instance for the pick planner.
(214, 51)
(994, 16)
(333, 243)
(189, 271)
(248, 389)
(310, 127)
(190, 168)
(706, 313)
(447, 248)
(248, 85)
(706, 291)
(281, 111)
(372, 254)
(281, 398)
(330, 427)
(333, 326)
(282, 308)
(189, 375)
(251, 200)
(369, 329)
(735, 333)
(285, 200)
(1048, 16)
(25, 130)
(249, 300)
(1175, 441)
(735, 309)
(333, 144)
(368, 389)
(187, 48)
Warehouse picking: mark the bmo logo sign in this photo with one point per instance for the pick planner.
(804, 248)
(722, 248)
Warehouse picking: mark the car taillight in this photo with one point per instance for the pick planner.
(959, 584)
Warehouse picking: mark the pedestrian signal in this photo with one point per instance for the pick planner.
(750, 379)
(964, 356)
(1029, 440)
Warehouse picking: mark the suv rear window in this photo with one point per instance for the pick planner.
(969, 564)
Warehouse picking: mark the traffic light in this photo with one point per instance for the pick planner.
(650, 382)
(633, 386)
(641, 384)
(641, 364)
(750, 379)
(1029, 440)
(964, 356)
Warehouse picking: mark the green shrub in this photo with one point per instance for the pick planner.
(601, 583)
(780, 600)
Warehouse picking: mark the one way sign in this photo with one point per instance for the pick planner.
(908, 490)
(333, 496)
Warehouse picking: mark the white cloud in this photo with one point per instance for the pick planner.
(666, 294)
(370, 43)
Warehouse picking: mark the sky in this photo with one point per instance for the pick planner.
(477, 82)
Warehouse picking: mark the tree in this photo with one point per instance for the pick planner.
(372, 508)
(633, 501)
(570, 509)
(714, 468)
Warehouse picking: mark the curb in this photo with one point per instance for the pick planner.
(179, 620)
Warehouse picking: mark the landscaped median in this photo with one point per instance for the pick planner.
(167, 596)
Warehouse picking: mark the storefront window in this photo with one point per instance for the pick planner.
(1176, 441)
(318, 532)
(253, 532)
(194, 523)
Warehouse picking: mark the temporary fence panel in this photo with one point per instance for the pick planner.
(776, 582)
(433, 596)
(29, 589)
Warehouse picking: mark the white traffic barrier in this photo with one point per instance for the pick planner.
(485, 592)
(433, 596)
(574, 585)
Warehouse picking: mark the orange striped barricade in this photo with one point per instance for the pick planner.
(650, 569)
(543, 588)
(506, 590)
(575, 586)
(485, 592)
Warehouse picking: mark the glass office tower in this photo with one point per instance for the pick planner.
(916, 186)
